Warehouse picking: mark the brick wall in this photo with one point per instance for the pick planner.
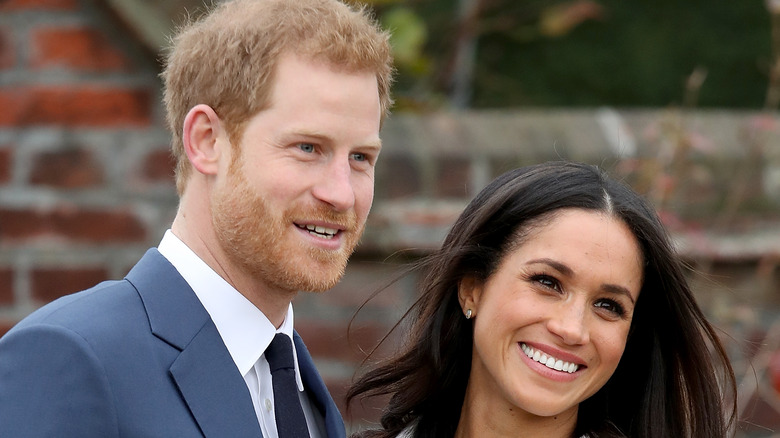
(85, 187)
(85, 174)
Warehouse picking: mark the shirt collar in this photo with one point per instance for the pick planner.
(244, 329)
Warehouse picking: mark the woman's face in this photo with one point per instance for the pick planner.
(551, 323)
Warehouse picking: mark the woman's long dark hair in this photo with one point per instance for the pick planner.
(674, 378)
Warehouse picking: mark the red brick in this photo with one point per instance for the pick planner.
(98, 226)
(20, 224)
(50, 284)
(81, 106)
(158, 166)
(6, 286)
(7, 52)
(71, 224)
(13, 5)
(6, 164)
(72, 168)
(6, 325)
(362, 280)
(334, 341)
(78, 48)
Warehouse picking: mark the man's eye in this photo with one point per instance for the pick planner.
(306, 147)
(357, 156)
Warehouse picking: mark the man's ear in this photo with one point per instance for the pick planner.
(469, 293)
(201, 132)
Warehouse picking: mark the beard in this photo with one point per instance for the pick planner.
(262, 242)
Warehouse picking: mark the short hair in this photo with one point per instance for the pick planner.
(228, 58)
(674, 378)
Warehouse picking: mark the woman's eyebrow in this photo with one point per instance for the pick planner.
(558, 266)
(620, 290)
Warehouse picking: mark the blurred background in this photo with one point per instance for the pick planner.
(679, 99)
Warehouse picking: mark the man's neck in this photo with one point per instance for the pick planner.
(201, 239)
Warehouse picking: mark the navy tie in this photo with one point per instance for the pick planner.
(290, 421)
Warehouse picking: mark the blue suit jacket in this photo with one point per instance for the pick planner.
(138, 357)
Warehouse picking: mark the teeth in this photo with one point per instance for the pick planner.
(319, 231)
(549, 361)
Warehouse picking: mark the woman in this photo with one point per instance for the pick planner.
(556, 307)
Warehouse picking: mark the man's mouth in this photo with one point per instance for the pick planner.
(316, 230)
(548, 361)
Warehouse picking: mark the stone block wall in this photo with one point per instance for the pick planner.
(86, 187)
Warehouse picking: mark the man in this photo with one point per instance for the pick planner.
(275, 108)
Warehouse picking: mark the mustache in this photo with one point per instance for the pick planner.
(345, 220)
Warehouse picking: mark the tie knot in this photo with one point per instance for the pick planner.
(279, 354)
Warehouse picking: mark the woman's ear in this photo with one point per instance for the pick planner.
(469, 292)
(201, 134)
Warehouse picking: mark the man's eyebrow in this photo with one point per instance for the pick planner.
(567, 271)
(374, 143)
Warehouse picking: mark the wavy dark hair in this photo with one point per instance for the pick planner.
(674, 378)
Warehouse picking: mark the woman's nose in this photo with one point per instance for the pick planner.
(569, 323)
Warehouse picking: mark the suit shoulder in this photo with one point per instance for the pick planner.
(98, 308)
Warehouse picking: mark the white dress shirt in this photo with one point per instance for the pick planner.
(246, 332)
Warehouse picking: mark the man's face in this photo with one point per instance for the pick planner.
(295, 200)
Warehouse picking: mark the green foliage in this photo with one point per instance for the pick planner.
(409, 34)
(586, 53)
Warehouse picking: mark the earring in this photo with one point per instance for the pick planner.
(468, 313)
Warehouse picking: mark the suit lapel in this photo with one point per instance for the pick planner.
(213, 388)
(204, 372)
(315, 387)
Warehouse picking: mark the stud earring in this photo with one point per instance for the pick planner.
(468, 313)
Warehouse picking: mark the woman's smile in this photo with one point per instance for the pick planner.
(549, 360)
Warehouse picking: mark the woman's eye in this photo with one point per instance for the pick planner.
(610, 306)
(306, 147)
(547, 281)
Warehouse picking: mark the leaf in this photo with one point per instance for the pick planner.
(560, 19)
(408, 33)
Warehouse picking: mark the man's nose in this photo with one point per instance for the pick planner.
(334, 186)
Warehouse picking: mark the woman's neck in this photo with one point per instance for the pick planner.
(495, 419)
